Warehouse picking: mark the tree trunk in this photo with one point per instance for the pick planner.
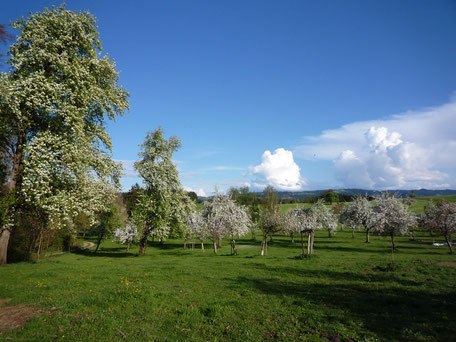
(18, 164)
(100, 238)
(14, 185)
(220, 243)
(292, 237)
(253, 234)
(392, 242)
(202, 246)
(312, 239)
(308, 243)
(450, 244)
(185, 244)
(193, 245)
(353, 233)
(128, 246)
(143, 242)
(329, 233)
(215, 247)
(367, 236)
(4, 240)
(233, 247)
(263, 244)
(302, 244)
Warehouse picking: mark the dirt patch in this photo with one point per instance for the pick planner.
(88, 244)
(16, 316)
(446, 263)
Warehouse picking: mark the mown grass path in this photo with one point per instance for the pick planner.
(348, 291)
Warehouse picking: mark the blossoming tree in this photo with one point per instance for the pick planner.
(324, 219)
(359, 213)
(308, 220)
(441, 217)
(57, 95)
(393, 217)
(224, 217)
(163, 202)
(197, 227)
(301, 221)
(127, 234)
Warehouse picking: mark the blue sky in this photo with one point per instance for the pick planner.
(296, 94)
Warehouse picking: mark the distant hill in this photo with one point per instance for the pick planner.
(400, 193)
(352, 192)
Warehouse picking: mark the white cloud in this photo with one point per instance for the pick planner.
(351, 171)
(199, 192)
(386, 162)
(279, 170)
(409, 150)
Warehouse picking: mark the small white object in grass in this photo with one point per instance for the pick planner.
(443, 244)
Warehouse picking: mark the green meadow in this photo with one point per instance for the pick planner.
(347, 291)
(421, 202)
(417, 207)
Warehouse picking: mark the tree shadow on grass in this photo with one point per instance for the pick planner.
(320, 246)
(377, 275)
(166, 245)
(386, 312)
(247, 242)
(108, 253)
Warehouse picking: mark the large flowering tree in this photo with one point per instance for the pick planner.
(393, 217)
(224, 217)
(303, 221)
(324, 219)
(308, 220)
(359, 213)
(441, 217)
(163, 202)
(197, 227)
(56, 97)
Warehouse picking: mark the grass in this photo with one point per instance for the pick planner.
(347, 290)
(421, 202)
(288, 206)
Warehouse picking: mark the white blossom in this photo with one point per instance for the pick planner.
(441, 217)
(224, 217)
(359, 213)
(393, 217)
(128, 234)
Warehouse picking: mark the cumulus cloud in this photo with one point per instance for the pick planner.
(279, 170)
(410, 150)
(386, 162)
(199, 192)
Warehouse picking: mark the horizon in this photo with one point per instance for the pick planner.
(297, 95)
